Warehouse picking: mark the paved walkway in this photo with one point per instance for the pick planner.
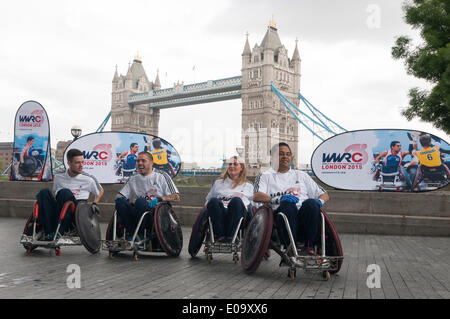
(411, 267)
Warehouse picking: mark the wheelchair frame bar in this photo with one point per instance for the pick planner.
(139, 225)
(237, 230)
(211, 231)
(115, 225)
(323, 234)
(291, 237)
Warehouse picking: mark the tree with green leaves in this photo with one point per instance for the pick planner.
(430, 60)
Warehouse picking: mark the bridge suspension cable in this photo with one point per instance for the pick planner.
(103, 124)
(325, 126)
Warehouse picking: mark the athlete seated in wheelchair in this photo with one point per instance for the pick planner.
(432, 172)
(30, 159)
(149, 224)
(290, 221)
(390, 173)
(66, 219)
(227, 211)
(126, 163)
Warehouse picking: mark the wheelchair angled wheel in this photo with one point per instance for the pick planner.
(333, 245)
(28, 229)
(198, 233)
(29, 166)
(168, 229)
(88, 227)
(257, 238)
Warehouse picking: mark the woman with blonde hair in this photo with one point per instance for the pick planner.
(228, 199)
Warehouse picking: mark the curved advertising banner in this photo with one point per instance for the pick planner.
(384, 160)
(112, 156)
(31, 150)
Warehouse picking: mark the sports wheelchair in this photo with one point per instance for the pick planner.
(86, 230)
(165, 235)
(392, 179)
(263, 233)
(203, 233)
(124, 173)
(31, 164)
(431, 178)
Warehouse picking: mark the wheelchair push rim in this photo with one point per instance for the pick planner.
(256, 239)
(333, 242)
(198, 233)
(168, 229)
(88, 227)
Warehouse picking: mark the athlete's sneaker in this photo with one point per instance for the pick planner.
(48, 237)
(221, 239)
(307, 252)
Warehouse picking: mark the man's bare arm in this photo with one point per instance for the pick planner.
(97, 198)
(171, 198)
(377, 160)
(261, 197)
(325, 197)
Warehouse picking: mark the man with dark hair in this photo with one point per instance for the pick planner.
(129, 163)
(28, 149)
(72, 185)
(430, 160)
(147, 188)
(393, 161)
(161, 157)
(293, 193)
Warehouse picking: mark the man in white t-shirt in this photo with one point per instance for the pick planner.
(293, 193)
(72, 185)
(147, 188)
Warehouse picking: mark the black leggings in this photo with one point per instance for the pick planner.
(50, 208)
(225, 220)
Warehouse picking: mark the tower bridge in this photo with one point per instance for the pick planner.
(268, 87)
(181, 95)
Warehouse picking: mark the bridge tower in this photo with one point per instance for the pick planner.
(265, 121)
(133, 118)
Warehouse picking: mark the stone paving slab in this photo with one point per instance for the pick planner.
(411, 267)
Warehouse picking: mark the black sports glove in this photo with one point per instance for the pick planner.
(95, 209)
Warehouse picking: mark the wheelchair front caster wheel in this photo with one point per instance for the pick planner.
(209, 257)
(292, 273)
(235, 258)
(326, 275)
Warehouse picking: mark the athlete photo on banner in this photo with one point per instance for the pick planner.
(384, 160)
(31, 149)
(112, 156)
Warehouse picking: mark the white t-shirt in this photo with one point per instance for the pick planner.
(156, 184)
(294, 182)
(81, 185)
(222, 189)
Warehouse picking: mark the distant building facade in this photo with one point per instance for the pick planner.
(6, 155)
(126, 117)
(60, 148)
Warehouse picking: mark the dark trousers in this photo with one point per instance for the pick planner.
(304, 222)
(130, 214)
(50, 209)
(225, 220)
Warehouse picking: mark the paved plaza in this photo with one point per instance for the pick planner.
(410, 267)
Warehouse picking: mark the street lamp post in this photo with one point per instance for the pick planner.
(76, 132)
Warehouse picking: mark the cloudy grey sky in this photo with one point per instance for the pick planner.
(63, 55)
